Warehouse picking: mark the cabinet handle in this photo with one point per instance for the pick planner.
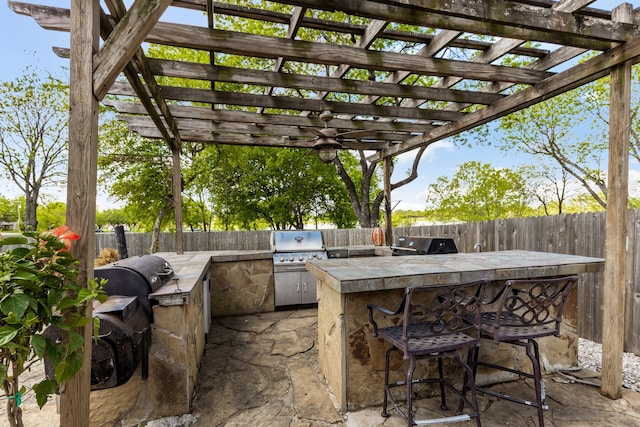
(298, 287)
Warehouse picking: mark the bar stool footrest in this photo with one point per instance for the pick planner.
(454, 419)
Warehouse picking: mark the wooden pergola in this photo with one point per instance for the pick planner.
(394, 80)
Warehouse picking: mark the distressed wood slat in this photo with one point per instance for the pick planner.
(274, 119)
(289, 103)
(331, 84)
(470, 24)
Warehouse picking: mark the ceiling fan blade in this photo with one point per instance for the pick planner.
(317, 132)
(357, 134)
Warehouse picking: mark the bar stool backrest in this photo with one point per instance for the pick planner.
(531, 308)
(441, 310)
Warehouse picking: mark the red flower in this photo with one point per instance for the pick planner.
(64, 234)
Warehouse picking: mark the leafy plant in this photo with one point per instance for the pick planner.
(38, 288)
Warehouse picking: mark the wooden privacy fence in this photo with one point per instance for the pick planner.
(578, 234)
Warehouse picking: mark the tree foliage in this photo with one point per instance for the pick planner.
(33, 135)
(478, 192)
(137, 171)
(548, 130)
(10, 208)
(569, 133)
(282, 188)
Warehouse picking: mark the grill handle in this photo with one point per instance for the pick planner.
(167, 272)
(403, 249)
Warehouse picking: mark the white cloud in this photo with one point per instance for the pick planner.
(432, 153)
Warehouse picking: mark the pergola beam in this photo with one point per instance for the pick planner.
(570, 26)
(191, 70)
(124, 42)
(232, 116)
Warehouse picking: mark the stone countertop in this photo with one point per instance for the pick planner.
(190, 268)
(188, 271)
(364, 250)
(348, 275)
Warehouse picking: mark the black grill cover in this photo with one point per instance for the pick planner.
(417, 245)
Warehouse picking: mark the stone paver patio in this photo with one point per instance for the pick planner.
(261, 370)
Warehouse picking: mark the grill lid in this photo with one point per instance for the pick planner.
(156, 270)
(137, 276)
(297, 241)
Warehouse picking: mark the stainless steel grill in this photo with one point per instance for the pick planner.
(294, 285)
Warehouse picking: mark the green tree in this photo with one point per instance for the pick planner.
(571, 131)
(548, 131)
(549, 186)
(283, 188)
(408, 218)
(111, 217)
(33, 135)
(137, 171)
(52, 215)
(479, 192)
(10, 209)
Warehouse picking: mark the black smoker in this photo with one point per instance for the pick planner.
(417, 245)
(125, 332)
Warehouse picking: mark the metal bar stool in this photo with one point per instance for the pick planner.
(434, 326)
(528, 309)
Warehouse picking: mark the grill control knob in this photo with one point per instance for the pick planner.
(291, 258)
(300, 258)
(281, 259)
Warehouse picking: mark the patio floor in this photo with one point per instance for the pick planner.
(261, 370)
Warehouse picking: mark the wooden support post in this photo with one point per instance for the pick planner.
(616, 231)
(81, 186)
(177, 199)
(388, 224)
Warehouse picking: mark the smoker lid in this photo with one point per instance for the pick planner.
(296, 241)
(155, 270)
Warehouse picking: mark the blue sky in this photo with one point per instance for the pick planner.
(23, 43)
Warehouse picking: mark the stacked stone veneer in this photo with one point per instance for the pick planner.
(241, 287)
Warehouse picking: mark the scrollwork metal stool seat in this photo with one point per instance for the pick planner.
(434, 326)
(527, 309)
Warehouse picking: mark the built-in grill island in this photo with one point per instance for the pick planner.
(294, 285)
(125, 317)
(418, 245)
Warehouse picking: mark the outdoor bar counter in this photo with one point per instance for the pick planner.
(352, 359)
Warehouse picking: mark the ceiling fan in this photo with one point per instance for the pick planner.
(329, 140)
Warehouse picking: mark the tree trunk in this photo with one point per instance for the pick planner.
(11, 387)
(157, 225)
(30, 208)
